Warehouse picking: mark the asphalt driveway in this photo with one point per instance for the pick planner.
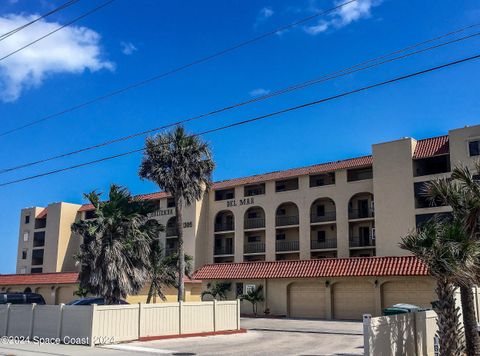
(264, 337)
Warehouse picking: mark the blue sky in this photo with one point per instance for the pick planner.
(129, 41)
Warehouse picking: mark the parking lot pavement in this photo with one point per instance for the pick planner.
(265, 337)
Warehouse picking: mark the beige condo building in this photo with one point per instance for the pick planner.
(356, 207)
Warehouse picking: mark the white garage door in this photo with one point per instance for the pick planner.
(411, 292)
(306, 300)
(353, 299)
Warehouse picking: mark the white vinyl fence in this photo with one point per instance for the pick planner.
(91, 325)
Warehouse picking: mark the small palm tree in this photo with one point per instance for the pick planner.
(462, 193)
(115, 243)
(81, 292)
(181, 165)
(163, 271)
(451, 259)
(217, 290)
(254, 296)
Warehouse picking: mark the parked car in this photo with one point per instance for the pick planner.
(92, 300)
(402, 309)
(21, 298)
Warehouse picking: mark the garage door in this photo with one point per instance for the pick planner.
(410, 292)
(353, 299)
(306, 300)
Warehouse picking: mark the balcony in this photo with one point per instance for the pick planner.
(357, 241)
(328, 216)
(360, 213)
(224, 226)
(286, 220)
(223, 250)
(321, 245)
(283, 246)
(171, 250)
(171, 232)
(254, 223)
(254, 247)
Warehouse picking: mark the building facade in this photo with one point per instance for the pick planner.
(357, 207)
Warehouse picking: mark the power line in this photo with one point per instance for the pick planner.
(95, 9)
(176, 69)
(57, 9)
(258, 118)
(343, 72)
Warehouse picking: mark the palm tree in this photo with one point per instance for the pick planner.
(254, 296)
(462, 193)
(217, 290)
(181, 165)
(163, 271)
(451, 259)
(115, 243)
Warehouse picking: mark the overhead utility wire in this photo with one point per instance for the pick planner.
(95, 9)
(177, 69)
(258, 118)
(57, 9)
(324, 78)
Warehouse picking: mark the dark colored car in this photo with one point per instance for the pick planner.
(92, 300)
(21, 298)
(402, 309)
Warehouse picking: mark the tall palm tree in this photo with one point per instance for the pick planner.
(217, 290)
(115, 243)
(451, 259)
(163, 271)
(181, 165)
(462, 193)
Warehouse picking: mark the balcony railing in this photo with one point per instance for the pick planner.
(287, 245)
(223, 250)
(360, 213)
(320, 245)
(224, 226)
(254, 223)
(254, 247)
(328, 216)
(171, 231)
(361, 242)
(286, 220)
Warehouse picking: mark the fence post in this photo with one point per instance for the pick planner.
(367, 321)
(8, 319)
(180, 307)
(92, 330)
(31, 319)
(214, 315)
(238, 314)
(140, 316)
(59, 331)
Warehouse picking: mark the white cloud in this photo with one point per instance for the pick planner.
(345, 15)
(128, 48)
(71, 50)
(266, 12)
(259, 92)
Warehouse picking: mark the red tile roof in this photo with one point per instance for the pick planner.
(334, 267)
(430, 147)
(38, 278)
(50, 278)
(315, 169)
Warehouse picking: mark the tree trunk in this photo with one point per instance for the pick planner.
(470, 321)
(450, 335)
(150, 293)
(181, 250)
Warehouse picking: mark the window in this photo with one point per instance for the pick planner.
(24, 254)
(27, 219)
(37, 257)
(254, 189)
(285, 185)
(90, 214)
(322, 179)
(431, 165)
(359, 174)
(224, 194)
(281, 211)
(421, 219)
(170, 202)
(280, 236)
(36, 270)
(238, 289)
(40, 223)
(321, 236)
(474, 148)
(320, 210)
(253, 239)
(25, 236)
(252, 215)
(39, 239)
